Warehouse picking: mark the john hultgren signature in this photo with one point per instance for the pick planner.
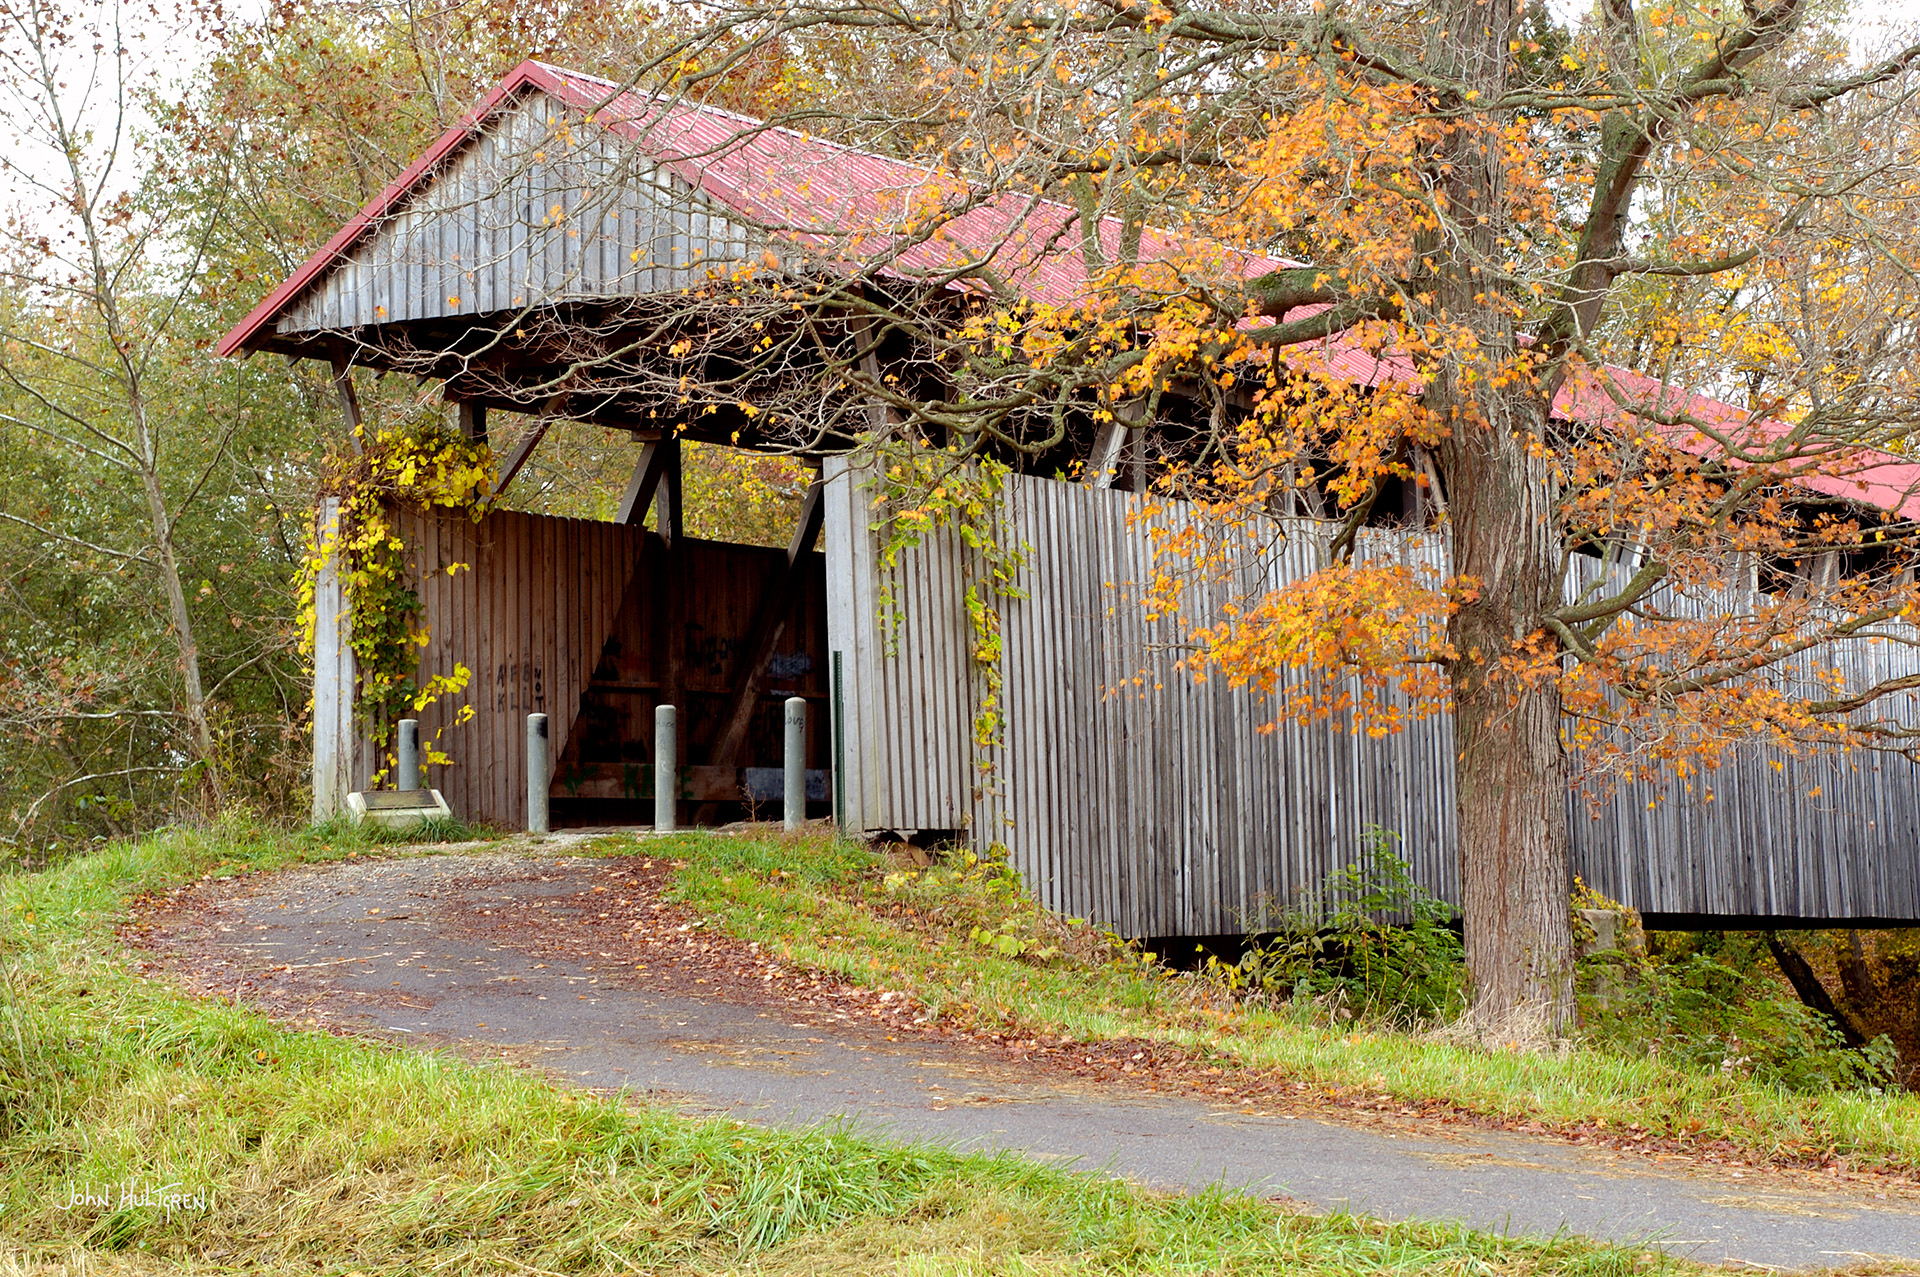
(132, 1193)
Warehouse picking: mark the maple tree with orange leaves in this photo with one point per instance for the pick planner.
(1452, 266)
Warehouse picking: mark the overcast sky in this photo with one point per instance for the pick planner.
(1881, 20)
(1877, 24)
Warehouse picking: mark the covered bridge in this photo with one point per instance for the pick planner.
(554, 228)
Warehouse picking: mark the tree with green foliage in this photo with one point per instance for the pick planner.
(100, 272)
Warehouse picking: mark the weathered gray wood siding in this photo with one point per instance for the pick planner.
(1823, 836)
(337, 763)
(903, 751)
(539, 208)
(1126, 792)
(1180, 815)
(1768, 833)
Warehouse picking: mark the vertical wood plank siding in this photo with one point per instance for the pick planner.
(539, 208)
(1768, 833)
(525, 608)
(1126, 792)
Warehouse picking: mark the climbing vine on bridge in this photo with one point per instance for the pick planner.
(428, 467)
(920, 490)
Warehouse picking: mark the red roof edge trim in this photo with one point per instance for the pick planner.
(527, 73)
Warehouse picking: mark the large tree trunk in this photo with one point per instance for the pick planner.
(1512, 774)
(1515, 879)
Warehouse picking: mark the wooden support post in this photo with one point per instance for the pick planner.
(768, 625)
(647, 473)
(1436, 494)
(473, 421)
(1316, 504)
(349, 398)
(335, 738)
(1743, 572)
(1119, 458)
(1104, 461)
(883, 420)
(672, 525)
(866, 334)
(1823, 570)
(673, 582)
(1133, 459)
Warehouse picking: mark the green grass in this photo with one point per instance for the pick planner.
(326, 1154)
(828, 905)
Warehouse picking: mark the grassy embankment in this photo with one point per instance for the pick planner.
(831, 906)
(321, 1154)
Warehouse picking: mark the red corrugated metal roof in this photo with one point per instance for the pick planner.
(868, 206)
(1866, 475)
(818, 192)
(1870, 476)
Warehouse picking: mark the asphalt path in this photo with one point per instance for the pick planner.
(380, 945)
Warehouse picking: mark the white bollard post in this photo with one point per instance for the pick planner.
(796, 761)
(406, 747)
(537, 773)
(666, 779)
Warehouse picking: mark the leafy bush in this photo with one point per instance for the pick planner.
(1706, 999)
(1372, 944)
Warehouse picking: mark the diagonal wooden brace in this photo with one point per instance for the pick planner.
(647, 473)
(529, 441)
(768, 626)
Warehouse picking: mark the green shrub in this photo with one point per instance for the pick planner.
(1372, 944)
(1706, 999)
